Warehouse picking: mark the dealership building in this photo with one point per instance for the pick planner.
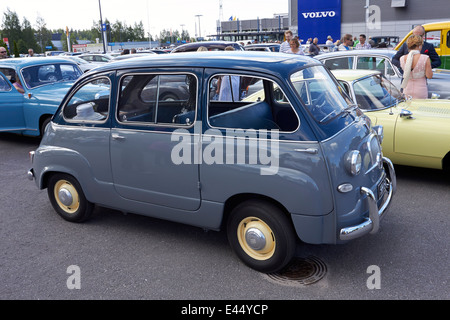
(309, 19)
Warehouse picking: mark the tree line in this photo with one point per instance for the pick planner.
(23, 35)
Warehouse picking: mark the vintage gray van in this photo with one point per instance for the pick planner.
(265, 146)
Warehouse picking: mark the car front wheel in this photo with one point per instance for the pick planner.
(261, 235)
(67, 198)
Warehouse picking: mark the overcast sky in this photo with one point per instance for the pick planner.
(155, 15)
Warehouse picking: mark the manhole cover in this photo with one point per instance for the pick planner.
(300, 271)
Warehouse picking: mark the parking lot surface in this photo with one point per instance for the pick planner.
(117, 256)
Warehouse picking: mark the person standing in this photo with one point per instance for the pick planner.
(3, 53)
(295, 47)
(362, 43)
(346, 42)
(285, 46)
(427, 48)
(314, 48)
(329, 41)
(417, 68)
(30, 53)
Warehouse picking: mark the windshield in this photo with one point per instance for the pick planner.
(36, 76)
(321, 95)
(376, 93)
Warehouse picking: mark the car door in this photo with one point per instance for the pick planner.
(155, 113)
(11, 106)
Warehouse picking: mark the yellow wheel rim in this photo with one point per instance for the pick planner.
(66, 196)
(256, 238)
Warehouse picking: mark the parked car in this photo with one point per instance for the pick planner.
(83, 64)
(384, 41)
(416, 132)
(132, 55)
(96, 57)
(45, 81)
(294, 162)
(210, 45)
(381, 60)
(270, 47)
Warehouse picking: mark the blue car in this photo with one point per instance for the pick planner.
(263, 146)
(45, 82)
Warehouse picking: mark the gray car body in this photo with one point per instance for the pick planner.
(439, 84)
(112, 172)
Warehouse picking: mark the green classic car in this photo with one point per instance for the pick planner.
(416, 131)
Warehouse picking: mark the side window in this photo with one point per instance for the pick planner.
(448, 39)
(434, 37)
(372, 63)
(246, 102)
(4, 85)
(158, 99)
(90, 103)
(339, 63)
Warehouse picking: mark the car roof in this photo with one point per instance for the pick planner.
(26, 62)
(351, 75)
(237, 60)
(262, 45)
(206, 44)
(366, 52)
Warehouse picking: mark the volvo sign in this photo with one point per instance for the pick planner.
(319, 19)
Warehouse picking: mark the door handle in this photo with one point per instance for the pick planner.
(116, 136)
(309, 150)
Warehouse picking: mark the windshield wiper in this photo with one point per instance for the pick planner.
(331, 114)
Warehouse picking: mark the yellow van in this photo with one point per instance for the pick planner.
(438, 34)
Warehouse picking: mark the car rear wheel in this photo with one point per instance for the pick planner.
(44, 125)
(67, 198)
(261, 235)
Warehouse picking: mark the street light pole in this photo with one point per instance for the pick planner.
(199, 29)
(101, 27)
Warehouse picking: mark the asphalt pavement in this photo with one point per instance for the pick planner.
(129, 257)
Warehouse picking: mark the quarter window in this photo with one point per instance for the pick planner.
(158, 99)
(90, 103)
(4, 85)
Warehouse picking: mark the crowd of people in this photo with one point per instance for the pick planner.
(292, 44)
(415, 59)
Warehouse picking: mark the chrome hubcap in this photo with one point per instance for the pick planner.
(255, 239)
(65, 197)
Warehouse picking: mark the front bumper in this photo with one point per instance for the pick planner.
(372, 223)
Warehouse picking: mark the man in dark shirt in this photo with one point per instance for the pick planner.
(427, 48)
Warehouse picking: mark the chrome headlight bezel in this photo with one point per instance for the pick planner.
(353, 162)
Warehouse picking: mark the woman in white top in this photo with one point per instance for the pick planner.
(295, 47)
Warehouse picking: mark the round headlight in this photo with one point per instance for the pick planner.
(353, 162)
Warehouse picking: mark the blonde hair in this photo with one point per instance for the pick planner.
(202, 48)
(229, 48)
(414, 42)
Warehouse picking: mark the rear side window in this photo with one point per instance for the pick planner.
(247, 102)
(90, 103)
(339, 63)
(158, 99)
